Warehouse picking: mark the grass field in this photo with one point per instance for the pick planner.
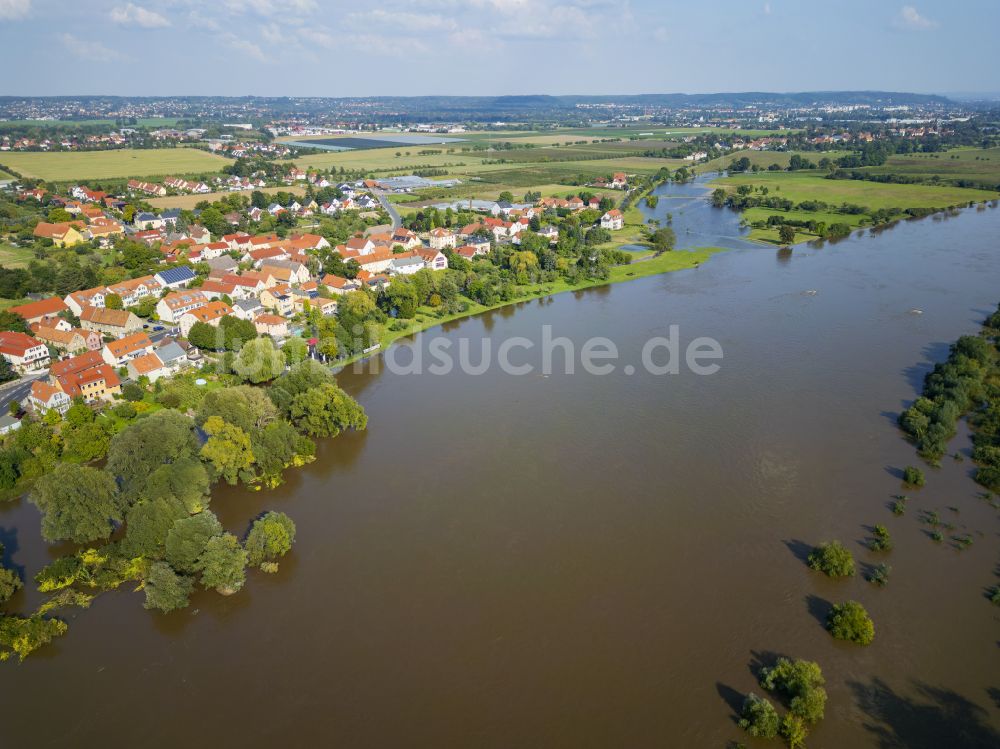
(188, 202)
(71, 165)
(764, 159)
(15, 257)
(980, 165)
(799, 186)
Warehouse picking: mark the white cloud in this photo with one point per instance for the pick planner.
(271, 7)
(91, 51)
(409, 21)
(134, 15)
(11, 10)
(767, 9)
(909, 18)
(245, 47)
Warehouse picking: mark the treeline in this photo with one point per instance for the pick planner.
(144, 516)
(911, 179)
(954, 388)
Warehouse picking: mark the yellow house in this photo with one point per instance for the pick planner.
(62, 235)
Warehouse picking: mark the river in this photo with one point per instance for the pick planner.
(590, 561)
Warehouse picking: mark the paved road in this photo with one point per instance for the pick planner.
(17, 390)
(397, 220)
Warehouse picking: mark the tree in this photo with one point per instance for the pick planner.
(236, 332)
(758, 717)
(147, 524)
(11, 321)
(295, 350)
(86, 442)
(188, 538)
(786, 234)
(719, 196)
(165, 589)
(133, 392)
(185, 480)
(24, 635)
(138, 450)
(78, 503)
(244, 406)
(223, 564)
(800, 681)
(849, 621)
(205, 337)
(913, 476)
(663, 240)
(10, 582)
(326, 410)
(270, 538)
(227, 449)
(113, 301)
(258, 361)
(793, 730)
(832, 559)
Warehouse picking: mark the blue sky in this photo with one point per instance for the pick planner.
(357, 48)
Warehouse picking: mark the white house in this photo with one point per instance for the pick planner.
(613, 220)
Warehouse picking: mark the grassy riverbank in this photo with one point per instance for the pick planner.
(641, 267)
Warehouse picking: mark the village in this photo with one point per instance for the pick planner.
(87, 344)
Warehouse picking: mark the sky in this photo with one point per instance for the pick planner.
(494, 47)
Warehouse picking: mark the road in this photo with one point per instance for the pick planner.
(17, 390)
(397, 220)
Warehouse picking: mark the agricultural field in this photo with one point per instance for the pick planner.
(799, 186)
(979, 165)
(764, 159)
(79, 165)
(188, 202)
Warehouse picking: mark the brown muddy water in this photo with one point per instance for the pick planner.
(586, 561)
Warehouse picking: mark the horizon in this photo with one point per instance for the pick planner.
(407, 48)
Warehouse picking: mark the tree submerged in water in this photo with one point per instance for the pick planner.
(850, 621)
(833, 559)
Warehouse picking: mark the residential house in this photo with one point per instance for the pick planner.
(135, 289)
(278, 299)
(24, 353)
(78, 300)
(87, 376)
(286, 271)
(405, 265)
(175, 278)
(441, 238)
(247, 309)
(74, 341)
(619, 181)
(210, 314)
(114, 323)
(433, 259)
(339, 285)
(173, 306)
(613, 220)
(149, 366)
(214, 289)
(145, 221)
(272, 325)
(35, 311)
(120, 352)
(62, 235)
(46, 397)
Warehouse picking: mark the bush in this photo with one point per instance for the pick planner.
(759, 718)
(913, 476)
(880, 540)
(880, 575)
(849, 621)
(801, 682)
(832, 559)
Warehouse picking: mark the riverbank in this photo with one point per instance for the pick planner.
(641, 267)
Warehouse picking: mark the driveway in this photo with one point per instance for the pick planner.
(397, 220)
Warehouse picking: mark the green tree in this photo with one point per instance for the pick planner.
(188, 538)
(793, 730)
(24, 635)
(832, 559)
(849, 621)
(185, 480)
(295, 350)
(258, 361)
(165, 589)
(913, 476)
(227, 449)
(326, 410)
(663, 240)
(78, 503)
(161, 438)
(244, 406)
(759, 718)
(113, 301)
(223, 564)
(147, 524)
(786, 234)
(801, 682)
(85, 443)
(270, 538)
(205, 337)
(10, 582)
